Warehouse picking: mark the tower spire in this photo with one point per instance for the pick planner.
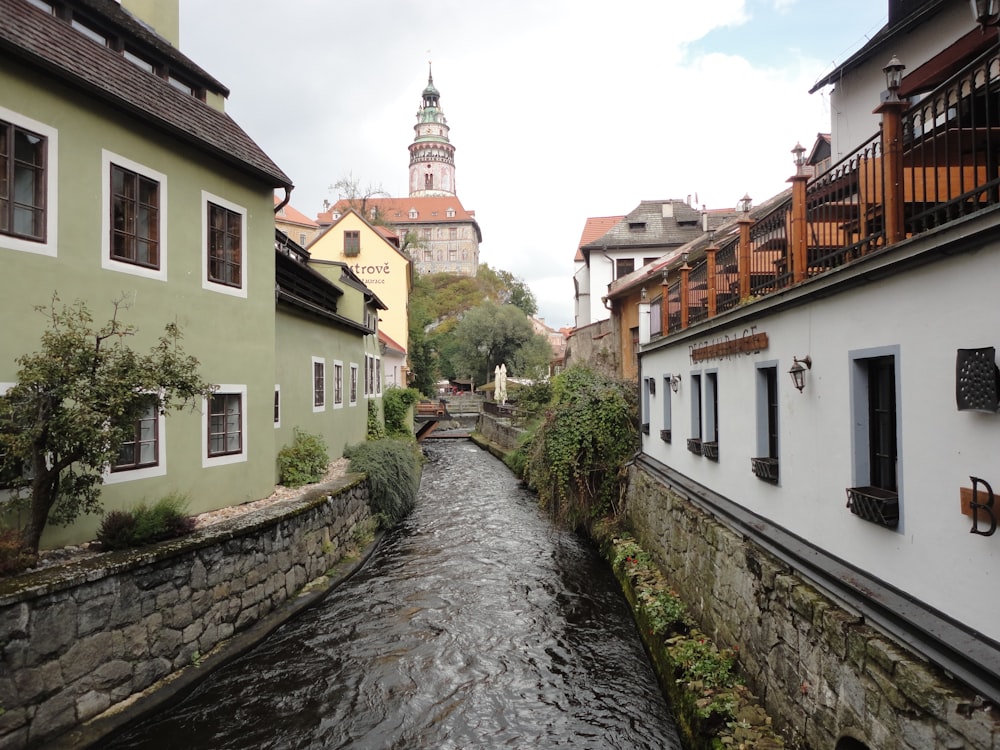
(432, 157)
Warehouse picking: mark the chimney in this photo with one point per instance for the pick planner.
(162, 16)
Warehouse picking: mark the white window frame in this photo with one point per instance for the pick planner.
(338, 375)
(146, 472)
(51, 245)
(107, 262)
(352, 386)
(312, 380)
(277, 402)
(231, 458)
(206, 283)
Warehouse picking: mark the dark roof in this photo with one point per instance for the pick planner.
(911, 16)
(49, 43)
(305, 289)
(646, 227)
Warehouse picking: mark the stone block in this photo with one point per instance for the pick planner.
(52, 628)
(199, 576)
(881, 654)
(166, 643)
(149, 671)
(14, 622)
(53, 717)
(86, 655)
(35, 683)
(192, 632)
(10, 720)
(94, 614)
(918, 682)
(91, 703)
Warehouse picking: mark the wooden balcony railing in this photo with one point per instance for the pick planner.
(933, 161)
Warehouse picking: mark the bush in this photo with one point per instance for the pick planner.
(304, 461)
(166, 519)
(396, 403)
(393, 469)
(376, 430)
(13, 557)
(576, 457)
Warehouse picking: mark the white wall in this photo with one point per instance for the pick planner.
(928, 313)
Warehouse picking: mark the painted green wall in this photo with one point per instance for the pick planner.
(299, 339)
(232, 337)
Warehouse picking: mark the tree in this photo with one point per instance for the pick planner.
(349, 189)
(75, 402)
(491, 334)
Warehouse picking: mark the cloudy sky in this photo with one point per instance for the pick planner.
(559, 109)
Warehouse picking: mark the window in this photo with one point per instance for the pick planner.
(302, 239)
(428, 181)
(450, 213)
(144, 454)
(710, 444)
(623, 267)
(378, 376)
(352, 242)
(277, 405)
(338, 384)
(765, 463)
(694, 442)
(412, 213)
(354, 384)
(135, 222)
(452, 233)
(875, 437)
(23, 175)
(665, 433)
(656, 317)
(319, 384)
(138, 60)
(140, 450)
(224, 426)
(648, 389)
(225, 246)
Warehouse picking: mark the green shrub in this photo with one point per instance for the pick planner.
(396, 403)
(143, 524)
(376, 430)
(304, 461)
(393, 469)
(576, 458)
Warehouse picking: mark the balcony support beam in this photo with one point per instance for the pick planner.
(710, 280)
(892, 163)
(798, 249)
(685, 295)
(743, 256)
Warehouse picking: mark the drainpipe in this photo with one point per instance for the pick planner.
(288, 197)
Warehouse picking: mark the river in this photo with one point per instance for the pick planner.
(476, 624)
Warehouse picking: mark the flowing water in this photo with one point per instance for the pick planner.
(476, 624)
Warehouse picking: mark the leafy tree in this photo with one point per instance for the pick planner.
(492, 334)
(509, 289)
(75, 402)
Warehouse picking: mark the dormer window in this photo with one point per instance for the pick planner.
(413, 213)
(450, 213)
(637, 226)
(139, 61)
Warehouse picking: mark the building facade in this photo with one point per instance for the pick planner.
(432, 226)
(794, 388)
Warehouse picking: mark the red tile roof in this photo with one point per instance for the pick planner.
(595, 228)
(430, 209)
(390, 342)
(292, 215)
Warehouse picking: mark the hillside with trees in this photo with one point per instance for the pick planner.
(459, 325)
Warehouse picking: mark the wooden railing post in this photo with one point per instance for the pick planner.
(798, 247)
(892, 166)
(665, 306)
(743, 256)
(685, 274)
(710, 279)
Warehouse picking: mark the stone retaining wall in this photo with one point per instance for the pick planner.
(498, 431)
(830, 680)
(79, 639)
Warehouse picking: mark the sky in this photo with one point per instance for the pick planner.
(559, 110)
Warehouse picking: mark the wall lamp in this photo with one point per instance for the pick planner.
(986, 12)
(675, 382)
(744, 204)
(798, 372)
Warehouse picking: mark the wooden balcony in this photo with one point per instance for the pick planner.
(930, 164)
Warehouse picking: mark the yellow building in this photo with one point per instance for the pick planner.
(374, 257)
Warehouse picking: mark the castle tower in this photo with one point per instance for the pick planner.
(432, 157)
